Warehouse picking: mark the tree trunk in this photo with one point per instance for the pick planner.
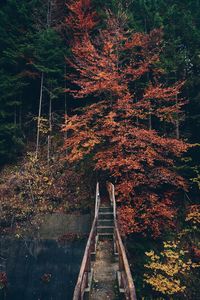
(39, 116)
(50, 129)
(15, 116)
(177, 122)
(49, 14)
(150, 121)
(20, 117)
(65, 89)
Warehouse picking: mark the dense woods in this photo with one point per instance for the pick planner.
(106, 90)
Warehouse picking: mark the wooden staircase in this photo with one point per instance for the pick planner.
(105, 223)
(105, 265)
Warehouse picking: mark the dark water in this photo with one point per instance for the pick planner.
(27, 261)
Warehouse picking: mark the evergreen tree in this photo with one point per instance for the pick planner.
(14, 30)
(28, 47)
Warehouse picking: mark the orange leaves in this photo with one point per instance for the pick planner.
(149, 215)
(126, 219)
(136, 40)
(193, 214)
(140, 160)
(163, 102)
(81, 138)
(100, 62)
(136, 70)
(123, 69)
(140, 39)
(162, 93)
(81, 19)
(108, 47)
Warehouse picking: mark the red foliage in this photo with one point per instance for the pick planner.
(115, 132)
(148, 214)
(81, 18)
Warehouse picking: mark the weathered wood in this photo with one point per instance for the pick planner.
(125, 277)
(126, 281)
(97, 200)
(83, 278)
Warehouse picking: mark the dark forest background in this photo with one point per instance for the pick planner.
(34, 47)
(34, 40)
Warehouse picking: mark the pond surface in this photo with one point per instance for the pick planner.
(42, 269)
(26, 265)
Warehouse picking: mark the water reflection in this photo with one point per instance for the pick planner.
(40, 269)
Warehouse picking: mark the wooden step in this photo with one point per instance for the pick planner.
(105, 216)
(105, 209)
(105, 236)
(105, 229)
(105, 222)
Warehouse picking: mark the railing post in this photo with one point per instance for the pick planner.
(97, 199)
(89, 263)
(114, 202)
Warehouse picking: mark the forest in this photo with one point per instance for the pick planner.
(95, 90)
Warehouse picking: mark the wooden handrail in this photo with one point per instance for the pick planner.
(126, 277)
(83, 278)
(126, 280)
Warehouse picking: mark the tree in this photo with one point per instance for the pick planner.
(48, 58)
(117, 131)
(81, 19)
(169, 272)
(13, 37)
(28, 48)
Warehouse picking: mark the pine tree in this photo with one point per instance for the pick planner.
(28, 47)
(13, 38)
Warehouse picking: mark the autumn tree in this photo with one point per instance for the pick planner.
(170, 272)
(123, 131)
(81, 18)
